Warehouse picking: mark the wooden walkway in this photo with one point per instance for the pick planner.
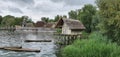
(28, 28)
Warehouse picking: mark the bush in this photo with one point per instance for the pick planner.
(95, 46)
(58, 30)
(85, 35)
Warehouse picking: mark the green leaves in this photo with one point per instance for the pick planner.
(110, 11)
(12, 21)
(86, 16)
(72, 14)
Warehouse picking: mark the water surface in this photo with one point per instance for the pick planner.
(17, 38)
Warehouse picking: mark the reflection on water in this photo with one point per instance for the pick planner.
(17, 39)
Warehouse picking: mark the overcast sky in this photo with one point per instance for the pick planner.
(36, 9)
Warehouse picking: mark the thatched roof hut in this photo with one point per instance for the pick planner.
(70, 26)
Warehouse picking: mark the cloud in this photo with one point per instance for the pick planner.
(40, 8)
(46, 7)
(14, 10)
(74, 2)
(21, 2)
(0, 11)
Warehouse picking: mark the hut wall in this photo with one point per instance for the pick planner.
(75, 32)
(65, 29)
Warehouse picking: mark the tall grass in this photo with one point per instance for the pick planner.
(96, 46)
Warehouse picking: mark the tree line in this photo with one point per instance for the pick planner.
(8, 20)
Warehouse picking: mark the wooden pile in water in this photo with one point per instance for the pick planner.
(19, 49)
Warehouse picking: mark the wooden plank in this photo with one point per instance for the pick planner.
(38, 40)
(22, 49)
(10, 47)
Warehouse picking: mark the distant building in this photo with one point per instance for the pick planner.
(70, 26)
(49, 25)
(29, 25)
(40, 24)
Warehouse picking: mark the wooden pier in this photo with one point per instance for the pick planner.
(41, 29)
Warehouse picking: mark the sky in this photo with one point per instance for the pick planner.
(36, 9)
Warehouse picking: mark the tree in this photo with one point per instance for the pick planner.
(64, 16)
(57, 18)
(110, 25)
(50, 20)
(18, 21)
(95, 22)
(8, 20)
(27, 19)
(86, 15)
(45, 19)
(72, 14)
(1, 19)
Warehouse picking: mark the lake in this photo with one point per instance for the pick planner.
(16, 38)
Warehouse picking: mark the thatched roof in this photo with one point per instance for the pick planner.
(49, 25)
(71, 23)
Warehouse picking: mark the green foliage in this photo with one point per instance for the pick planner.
(86, 16)
(57, 18)
(95, 22)
(45, 19)
(18, 21)
(110, 24)
(72, 14)
(26, 19)
(8, 21)
(58, 30)
(84, 35)
(96, 46)
(12, 21)
(1, 19)
(51, 20)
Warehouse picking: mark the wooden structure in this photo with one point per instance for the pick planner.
(9, 47)
(66, 39)
(19, 49)
(70, 26)
(39, 24)
(49, 25)
(22, 49)
(29, 25)
(38, 40)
